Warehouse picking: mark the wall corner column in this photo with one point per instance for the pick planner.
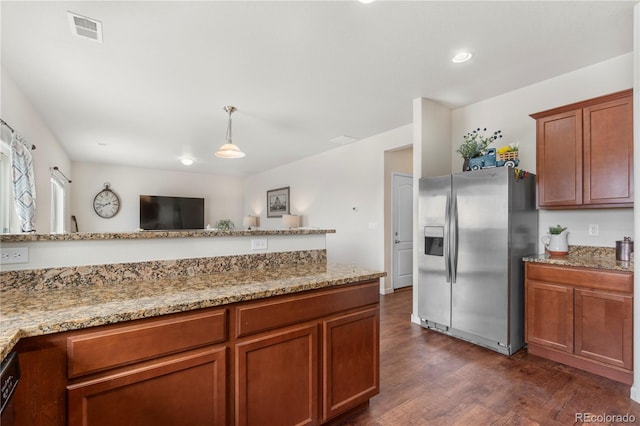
(431, 157)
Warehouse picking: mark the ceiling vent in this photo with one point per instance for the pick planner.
(343, 140)
(84, 27)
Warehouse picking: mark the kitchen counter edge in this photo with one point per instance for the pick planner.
(200, 233)
(40, 322)
(605, 263)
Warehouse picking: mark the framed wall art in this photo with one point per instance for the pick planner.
(277, 202)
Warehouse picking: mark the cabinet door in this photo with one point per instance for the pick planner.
(604, 327)
(277, 378)
(184, 389)
(608, 152)
(549, 315)
(350, 361)
(559, 159)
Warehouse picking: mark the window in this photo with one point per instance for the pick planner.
(9, 222)
(58, 205)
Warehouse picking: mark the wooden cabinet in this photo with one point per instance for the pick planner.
(148, 373)
(296, 359)
(604, 327)
(186, 389)
(279, 364)
(350, 363)
(277, 378)
(581, 317)
(550, 315)
(584, 153)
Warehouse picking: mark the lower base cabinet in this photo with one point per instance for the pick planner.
(279, 370)
(300, 359)
(604, 327)
(581, 317)
(188, 389)
(350, 361)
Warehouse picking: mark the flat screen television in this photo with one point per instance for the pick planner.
(169, 213)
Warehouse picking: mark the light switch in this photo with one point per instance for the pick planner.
(260, 244)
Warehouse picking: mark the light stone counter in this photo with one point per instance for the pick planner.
(27, 312)
(586, 257)
(137, 235)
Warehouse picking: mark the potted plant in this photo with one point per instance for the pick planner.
(225, 225)
(556, 230)
(475, 142)
(556, 242)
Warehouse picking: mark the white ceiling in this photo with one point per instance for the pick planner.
(299, 72)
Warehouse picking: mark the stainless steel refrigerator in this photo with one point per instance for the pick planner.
(476, 226)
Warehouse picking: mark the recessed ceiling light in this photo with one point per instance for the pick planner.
(186, 161)
(366, 1)
(462, 57)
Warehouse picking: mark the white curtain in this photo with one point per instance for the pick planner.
(24, 185)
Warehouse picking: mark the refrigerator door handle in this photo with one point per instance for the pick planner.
(447, 228)
(453, 244)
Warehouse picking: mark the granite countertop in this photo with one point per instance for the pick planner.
(199, 233)
(26, 313)
(585, 257)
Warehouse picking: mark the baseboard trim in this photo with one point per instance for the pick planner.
(592, 366)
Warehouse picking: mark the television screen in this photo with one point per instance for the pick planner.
(162, 213)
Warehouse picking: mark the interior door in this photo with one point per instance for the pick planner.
(402, 266)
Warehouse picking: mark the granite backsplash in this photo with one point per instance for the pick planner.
(52, 278)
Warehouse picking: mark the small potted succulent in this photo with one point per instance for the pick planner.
(557, 230)
(225, 225)
(556, 241)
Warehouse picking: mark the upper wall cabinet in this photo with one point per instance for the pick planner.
(584, 153)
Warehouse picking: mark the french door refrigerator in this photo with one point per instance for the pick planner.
(476, 226)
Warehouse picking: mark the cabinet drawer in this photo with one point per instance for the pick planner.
(582, 277)
(267, 315)
(185, 389)
(121, 345)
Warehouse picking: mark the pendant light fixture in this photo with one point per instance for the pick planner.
(229, 150)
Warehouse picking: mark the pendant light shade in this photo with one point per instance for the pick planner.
(229, 150)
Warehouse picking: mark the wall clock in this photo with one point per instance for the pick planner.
(106, 203)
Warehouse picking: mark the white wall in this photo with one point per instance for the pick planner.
(223, 194)
(16, 110)
(510, 113)
(50, 254)
(326, 187)
(635, 389)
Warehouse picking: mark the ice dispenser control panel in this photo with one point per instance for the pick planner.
(434, 240)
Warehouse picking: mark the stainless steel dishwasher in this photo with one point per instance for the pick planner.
(9, 377)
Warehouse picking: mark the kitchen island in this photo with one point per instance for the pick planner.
(202, 327)
(294, 344)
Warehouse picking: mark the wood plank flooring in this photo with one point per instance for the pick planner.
(427, 378)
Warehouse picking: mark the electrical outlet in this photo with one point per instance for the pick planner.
(14, 255)
(593, 230)
(260, 244)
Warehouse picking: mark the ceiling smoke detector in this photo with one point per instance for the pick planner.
(84, 27)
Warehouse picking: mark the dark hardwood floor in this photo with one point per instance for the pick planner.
(428, 378)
